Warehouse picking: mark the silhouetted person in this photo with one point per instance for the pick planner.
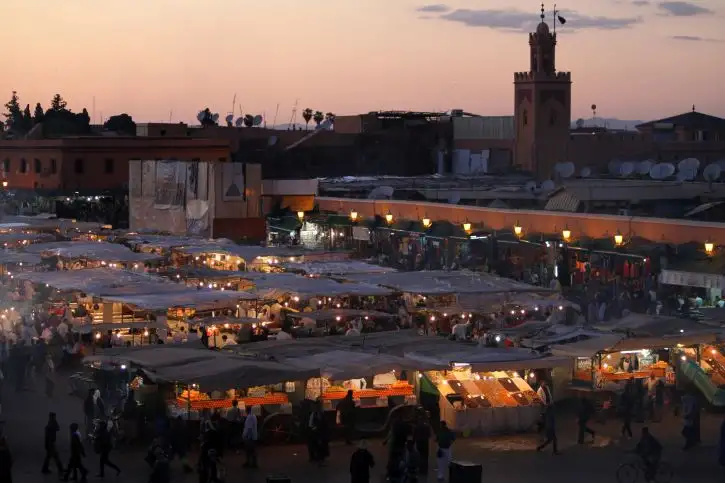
(103, 447)
(585, 413)
(361, 462)
(77, 453)
(6, 462)
(51, 451)
(347, 415)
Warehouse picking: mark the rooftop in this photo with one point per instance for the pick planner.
(689, 120)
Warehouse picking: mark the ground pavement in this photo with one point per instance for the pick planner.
(510, 459)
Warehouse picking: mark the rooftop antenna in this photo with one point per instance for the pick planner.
(171, 114)
(95, 121)
(293, 119)
(274, 122)
(264, 118)
(234, 103)
(594, 114)
(555, 12)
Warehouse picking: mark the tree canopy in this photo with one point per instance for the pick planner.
(122, 124)
(58, 121)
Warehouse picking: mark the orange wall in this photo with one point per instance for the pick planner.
(580, 224)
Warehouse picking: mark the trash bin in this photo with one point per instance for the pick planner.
(278, 479)
(465, 472)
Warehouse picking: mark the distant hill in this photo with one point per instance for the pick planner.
(611, 123)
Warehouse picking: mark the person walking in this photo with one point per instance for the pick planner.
(103, 448)
(421, 435)
(411, 461)
(89, 412)
(234, 418)
(77, 453)
(689, 422)
(626, 407)
(361, 462)
(49, 370)
(585, 413)
(346, 408)
(249, 438)
(6, 462)
(444, 439)
(549, 431)
(180, 443)
(51, 451)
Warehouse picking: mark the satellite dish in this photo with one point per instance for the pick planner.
(530, 186)
(643, 167)
(215, 117)
(381, 193)
(272, 141)
(239, 122)
(613, 166)
(661, 171)
(711, 172)
(229, 119)
(585, 172)
(326, 124)
(200, 116)
(257, 120)
(454, 198)
(625, 169)
(564, 170)
(594, 107)
(721, 163)
(547, 186)
(580, 123)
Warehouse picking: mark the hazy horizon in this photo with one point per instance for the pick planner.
(150, 58)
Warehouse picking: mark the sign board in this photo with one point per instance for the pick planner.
(692, 279)
(360, 233)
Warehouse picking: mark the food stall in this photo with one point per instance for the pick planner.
(340, 322)
(483, 390)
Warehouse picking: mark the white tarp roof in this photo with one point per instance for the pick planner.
(485, 358)
(346, 313)
(245, 252)
(97, 281)
(100, 251)
(275, 285)
(8, 256)
(338, 364)
(586, 347)
(16, 237)
(442, 282)
(337, 268)
(200, 299)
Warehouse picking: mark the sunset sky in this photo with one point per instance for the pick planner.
(634, 59)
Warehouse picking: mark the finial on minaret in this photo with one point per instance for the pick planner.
(693, 108)
(543, 15)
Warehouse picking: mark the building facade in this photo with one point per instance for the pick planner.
(210, 198)
(93, 164)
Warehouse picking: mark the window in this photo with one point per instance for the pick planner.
(53, 166)
(6, 165)
(525, 117)
(23, 166)
(78, 166)
(163, 132)
(552, 117)
(108, 166)
(38, 166)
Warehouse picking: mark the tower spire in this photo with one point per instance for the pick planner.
(543, 15)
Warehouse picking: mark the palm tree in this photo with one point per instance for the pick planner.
(318, 118)
(307, 116)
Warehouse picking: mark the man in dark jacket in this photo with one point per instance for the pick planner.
(585, 413)
(51, 452)
(346, 407)
(360, 464)
(103, 448)
(77, 453)
(421, 434)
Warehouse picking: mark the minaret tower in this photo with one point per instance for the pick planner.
(542, 106)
